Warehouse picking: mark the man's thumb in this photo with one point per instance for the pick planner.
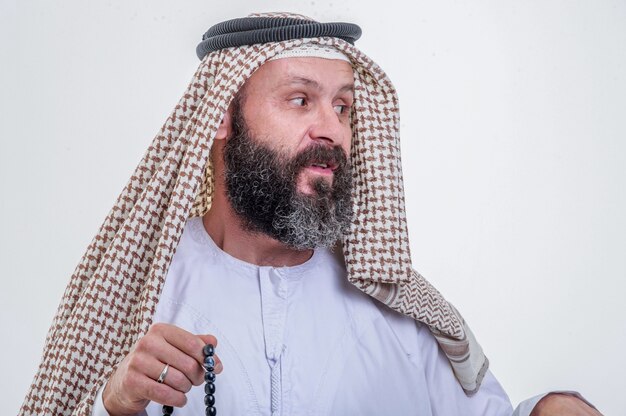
(208, 339)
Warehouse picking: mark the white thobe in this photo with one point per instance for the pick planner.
(302, 340)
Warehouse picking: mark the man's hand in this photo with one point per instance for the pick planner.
(556, 404)
(134, 385)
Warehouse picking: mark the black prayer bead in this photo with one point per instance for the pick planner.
(208, 349)
(209, 388)
(209, 400)
(211, 411)
(168, 410)
(209, 376)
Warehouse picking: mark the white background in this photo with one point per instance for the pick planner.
(513, 129)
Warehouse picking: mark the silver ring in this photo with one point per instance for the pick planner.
(163, 374)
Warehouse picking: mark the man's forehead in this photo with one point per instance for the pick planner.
(295, 80)
(312, 72)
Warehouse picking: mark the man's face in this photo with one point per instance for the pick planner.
(292, 104)
(286, 163)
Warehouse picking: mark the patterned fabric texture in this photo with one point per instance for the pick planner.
(112, 295)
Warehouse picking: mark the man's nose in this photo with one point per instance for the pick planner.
(328, 128)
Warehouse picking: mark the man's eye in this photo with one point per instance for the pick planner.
(341, 108)
(300, 101)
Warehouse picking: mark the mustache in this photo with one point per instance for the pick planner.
(334, 157)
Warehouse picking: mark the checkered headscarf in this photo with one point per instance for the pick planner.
(112, 295)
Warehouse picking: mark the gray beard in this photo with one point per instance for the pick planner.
(261, 185)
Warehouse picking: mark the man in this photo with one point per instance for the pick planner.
(265, 212)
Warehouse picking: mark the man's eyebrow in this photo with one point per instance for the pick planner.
(347, 88)
(312, 83)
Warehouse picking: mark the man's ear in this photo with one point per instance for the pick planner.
(226, 125)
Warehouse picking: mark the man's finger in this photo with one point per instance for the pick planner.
(184, 363)
(208, 339)
(162, 393)
(173, 377)
(185, 341)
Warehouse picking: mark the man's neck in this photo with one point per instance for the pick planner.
(226, 230)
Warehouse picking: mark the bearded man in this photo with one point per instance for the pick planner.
(267, 218)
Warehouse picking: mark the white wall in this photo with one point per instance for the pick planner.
(514, 152)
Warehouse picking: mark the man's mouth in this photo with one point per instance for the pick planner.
(322, 168)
